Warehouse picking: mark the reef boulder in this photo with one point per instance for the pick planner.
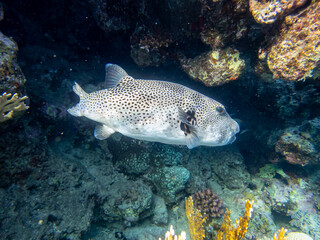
(300, 145)
(127, 200)
(216, 67)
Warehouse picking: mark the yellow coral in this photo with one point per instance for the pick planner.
(195, 220)
(170, 235)
(228, 231)
(8, 106)
(280, 235)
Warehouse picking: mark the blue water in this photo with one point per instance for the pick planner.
(59, 182)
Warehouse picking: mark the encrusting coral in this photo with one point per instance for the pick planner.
(297, 236)
(208, 203)
(267, 12)
(221, 64)
(300, 145)
(296, 51)
(10, 104)
(216, 67)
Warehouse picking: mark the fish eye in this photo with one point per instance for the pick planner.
(220, 109)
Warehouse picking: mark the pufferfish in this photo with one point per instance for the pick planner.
(156, 111)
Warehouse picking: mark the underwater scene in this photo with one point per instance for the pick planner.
(160, 119)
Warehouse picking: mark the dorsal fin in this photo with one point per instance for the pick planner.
(114, 74)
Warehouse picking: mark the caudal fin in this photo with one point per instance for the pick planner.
(76, 110)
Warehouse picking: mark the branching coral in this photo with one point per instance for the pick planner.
(268, 11)
(195, 220)
(10, 104)
(228, 231)
(170, 235)
(280, 234)
(296, 52)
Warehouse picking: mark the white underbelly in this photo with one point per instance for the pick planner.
(154, 133)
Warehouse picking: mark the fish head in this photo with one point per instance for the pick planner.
(219, 128)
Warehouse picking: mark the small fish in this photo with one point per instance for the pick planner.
(156, 111)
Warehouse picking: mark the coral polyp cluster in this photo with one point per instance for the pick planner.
(268, 11)
(296, 51)
(208, 203)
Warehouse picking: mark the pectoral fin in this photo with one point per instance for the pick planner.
(187, 125)
(187, 117)
(102, 132)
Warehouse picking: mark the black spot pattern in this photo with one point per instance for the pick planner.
(148, 102)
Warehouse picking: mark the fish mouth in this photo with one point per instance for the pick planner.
(234, 129)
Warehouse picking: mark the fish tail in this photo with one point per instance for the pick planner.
(77, 110)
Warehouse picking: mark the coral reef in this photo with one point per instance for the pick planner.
(137, 162)
(58, 182)
(216, 67)
(148, 48)
(229, 166)
(208, 203)
(300, 144)
(220, 65)
(267, 12)
(160, 211)
(306, 221)
(54, 191)
(10, 105)
(240, 6)
(11, 76)
(169, 181)
(296, 51)
(219, 16)
(125, 203)
(195, 220)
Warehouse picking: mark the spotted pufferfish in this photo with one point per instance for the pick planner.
(156, 111)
